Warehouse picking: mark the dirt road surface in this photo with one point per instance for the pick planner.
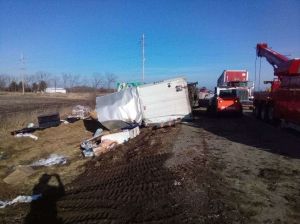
(211, 170)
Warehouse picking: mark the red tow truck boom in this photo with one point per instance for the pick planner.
(282, 102)
(282, 65)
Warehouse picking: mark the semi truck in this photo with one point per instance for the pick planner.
(238, 79)
(233, 76)
(282, 101)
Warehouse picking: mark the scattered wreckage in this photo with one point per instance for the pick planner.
(52, 120)
(122, 113)
(118, 117)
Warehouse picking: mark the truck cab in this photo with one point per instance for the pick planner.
(226, 100)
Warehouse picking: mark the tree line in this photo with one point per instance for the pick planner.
(40, 80)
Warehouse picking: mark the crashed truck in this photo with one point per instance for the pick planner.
(149, 104)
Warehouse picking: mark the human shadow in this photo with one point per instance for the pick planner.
(44, 209)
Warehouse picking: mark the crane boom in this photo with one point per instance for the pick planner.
(283, 66)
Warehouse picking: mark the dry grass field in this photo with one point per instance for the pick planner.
(16, 112)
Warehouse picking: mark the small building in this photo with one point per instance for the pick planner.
(56, 90)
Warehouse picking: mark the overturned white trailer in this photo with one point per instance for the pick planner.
(150, 103)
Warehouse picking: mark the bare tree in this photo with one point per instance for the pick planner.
(66, 77)
(74, 80)
(30, 79)
(98, 80)
(110, 79)
(4, 81)
(42, 76)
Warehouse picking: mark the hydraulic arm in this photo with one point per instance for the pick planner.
(283, 66)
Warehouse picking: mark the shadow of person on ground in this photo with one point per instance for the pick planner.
(44, 209)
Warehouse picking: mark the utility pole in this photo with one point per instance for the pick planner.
(22, 61)
(143, 57)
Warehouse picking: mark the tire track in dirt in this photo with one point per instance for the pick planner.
(136, 192)
(129, 185)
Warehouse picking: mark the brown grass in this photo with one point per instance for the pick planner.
(63, 140)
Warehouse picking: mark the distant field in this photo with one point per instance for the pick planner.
(16, 103)
(17, 110)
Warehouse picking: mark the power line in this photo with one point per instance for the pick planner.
(259, 74)
(255, 72)
(22, 68)
(143, 57)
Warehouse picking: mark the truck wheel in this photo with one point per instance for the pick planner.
(271, 114)
(256, 111)
(263, 112)
(271, 118)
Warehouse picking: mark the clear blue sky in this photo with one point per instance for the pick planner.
(198, 39)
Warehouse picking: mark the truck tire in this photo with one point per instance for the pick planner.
(256, 111)
(270, 114)
(263, 112)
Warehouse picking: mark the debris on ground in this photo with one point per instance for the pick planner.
(44, 121)
(177, 183)
(93, 115)
(64, 121)
(98, 132)
(49, 120)
(19, 175)
(53, 159)
(20, 199)
(80, 112)
(3, 155)
(103, 141)
(88, 145)
(30, 125)
(165, 124)
(104, 146)
(123, 136)
(20, 135)
(88, 152)
(24, 130)
(71, 119)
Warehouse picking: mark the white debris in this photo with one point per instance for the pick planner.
(119, 137)
(53, 159)
(81, 112)
(64, 121)
(20, 199)
(30, 125)
(177, 183)
(98, 132)
(19, 135)
(123, 136)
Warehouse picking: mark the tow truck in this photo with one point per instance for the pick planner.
(282, 101)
